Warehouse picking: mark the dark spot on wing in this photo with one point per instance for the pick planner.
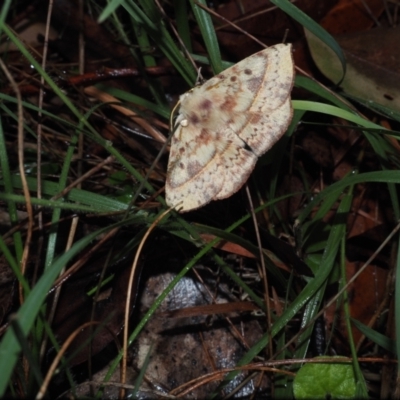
(204, 138)
(248, 71)
(206, 104)
(228, 104)
(253, 84)
(233, 78)
(193, 168)
(193, 118)
(255, 119)
(203, 134)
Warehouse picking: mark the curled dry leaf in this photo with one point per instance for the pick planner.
(224, 125)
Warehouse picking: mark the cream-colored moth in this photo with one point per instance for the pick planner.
(224, 125)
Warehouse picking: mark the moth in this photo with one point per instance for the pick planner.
(224, 125)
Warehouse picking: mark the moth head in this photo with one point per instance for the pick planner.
(183, 96)
(181, 120)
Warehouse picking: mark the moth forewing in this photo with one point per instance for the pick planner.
(247, 105)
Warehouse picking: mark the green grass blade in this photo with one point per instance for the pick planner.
(381, 340)
(109, 9)
(376, 107)
(28, 312)
(314, 87)
(131, 98)
(97, 202)
(3, 14)
(336, 112)
(160, 35)
(8, 189)
(208, 34)
(327, 263)
(182, 23)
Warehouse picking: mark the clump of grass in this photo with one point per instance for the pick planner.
(122, 206)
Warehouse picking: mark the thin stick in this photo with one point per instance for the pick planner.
(57, 359)
(25, 254)
(128, 299)
(263, 269)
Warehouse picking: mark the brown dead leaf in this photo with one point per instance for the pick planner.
(264, 20)
(318, 148)
(352, 16)
(227, 246)
(373, 67)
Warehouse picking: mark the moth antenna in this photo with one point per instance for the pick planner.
(285, 35)
(172, 115)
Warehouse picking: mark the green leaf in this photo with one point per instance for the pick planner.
(322, 381)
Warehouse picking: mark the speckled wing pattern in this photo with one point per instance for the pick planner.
(224, 125)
